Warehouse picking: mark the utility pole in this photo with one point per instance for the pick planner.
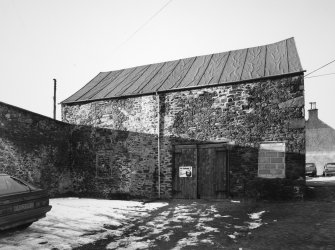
(55, 83)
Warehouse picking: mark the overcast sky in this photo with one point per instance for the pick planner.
(74, 40)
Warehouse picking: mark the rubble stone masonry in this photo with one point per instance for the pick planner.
(244, 115)
(35, 148)
(119, 137)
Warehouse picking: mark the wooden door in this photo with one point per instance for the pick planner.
(185, 172)
(213, 172)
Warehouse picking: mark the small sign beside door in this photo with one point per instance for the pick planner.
(185, 171)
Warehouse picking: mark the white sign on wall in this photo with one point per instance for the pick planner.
(185, 171)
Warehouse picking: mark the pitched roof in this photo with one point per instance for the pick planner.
(233, 66)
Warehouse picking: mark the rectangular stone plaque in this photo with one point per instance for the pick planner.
(271, 160)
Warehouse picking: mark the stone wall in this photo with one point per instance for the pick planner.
(125, 129)
(35, 148)
(245, 115)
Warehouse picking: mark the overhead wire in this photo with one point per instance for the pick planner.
(143, 25)
(320, 68)
(321, 75)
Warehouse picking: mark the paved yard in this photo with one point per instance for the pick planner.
(179, 224)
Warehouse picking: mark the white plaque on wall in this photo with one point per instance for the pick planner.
(185, 171)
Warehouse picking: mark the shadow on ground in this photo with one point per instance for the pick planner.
(201, 224)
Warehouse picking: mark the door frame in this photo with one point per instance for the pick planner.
(220, 146)
(177, 150)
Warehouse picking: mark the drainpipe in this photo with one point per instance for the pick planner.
(158, 146)
(55, 83)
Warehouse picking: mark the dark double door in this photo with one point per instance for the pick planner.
(201, 171)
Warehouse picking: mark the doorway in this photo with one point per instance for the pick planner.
(201, 171)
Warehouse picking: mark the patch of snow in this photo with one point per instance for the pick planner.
(165, 237)
(207, 241)
(195, 234)
(165, 213)
(256, 216)
(235, 201)
(234, 235)
(253, 225)
(213, 209)
(205, 219)
(183, 218)
(191, 241)
(321, 179)
(177, 226)
(73, 222)
(206, 229)
(257, 220)
(130, 243)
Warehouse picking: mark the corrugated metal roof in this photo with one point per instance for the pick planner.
(233, 66)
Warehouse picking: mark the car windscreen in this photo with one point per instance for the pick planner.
(9, 185)
(330, 165)
(31, 187)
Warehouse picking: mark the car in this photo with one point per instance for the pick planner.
(310, 169)
(329, 169)
(21, 203)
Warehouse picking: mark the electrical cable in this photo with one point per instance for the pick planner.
(320, 68)
(143, 25)
(320, 75)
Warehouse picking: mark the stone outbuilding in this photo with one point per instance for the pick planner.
(320, 141)
(199, 127)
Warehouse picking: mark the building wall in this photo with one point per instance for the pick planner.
(320, 142)
(242, 114)
(35, 148)
(125, 129)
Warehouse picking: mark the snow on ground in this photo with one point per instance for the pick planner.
(73, 222)
(257, 221)
(130, 225)
(162, 226)
(321, 179)
(256, 216)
